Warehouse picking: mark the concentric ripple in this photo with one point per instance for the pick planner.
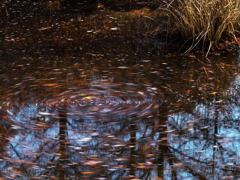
(90, 101)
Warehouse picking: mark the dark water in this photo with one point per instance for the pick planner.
(83, 96)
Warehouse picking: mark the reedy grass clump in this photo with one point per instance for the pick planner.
(204, 22)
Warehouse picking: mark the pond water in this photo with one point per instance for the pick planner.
(84, 96)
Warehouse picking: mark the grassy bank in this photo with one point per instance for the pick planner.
(203, 22)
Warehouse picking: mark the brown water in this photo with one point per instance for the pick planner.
(82, 97)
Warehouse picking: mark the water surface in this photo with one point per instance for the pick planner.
(82, 97)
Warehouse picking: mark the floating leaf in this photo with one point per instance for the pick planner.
(44, 28)
(92, 163)
(87, 173)
(82, 94)
(177, 164)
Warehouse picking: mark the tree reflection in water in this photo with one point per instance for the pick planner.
(171, 143)
(198, 141)
(203, 144)
(68, 147)
(206, 141)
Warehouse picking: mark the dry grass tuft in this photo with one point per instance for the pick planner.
(204, 22)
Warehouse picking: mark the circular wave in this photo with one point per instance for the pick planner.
(91, 101)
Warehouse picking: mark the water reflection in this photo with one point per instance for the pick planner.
(208, 139)
(205, 141)
(66, 128)
(71, 147)
(190, 135)
(88, 102)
